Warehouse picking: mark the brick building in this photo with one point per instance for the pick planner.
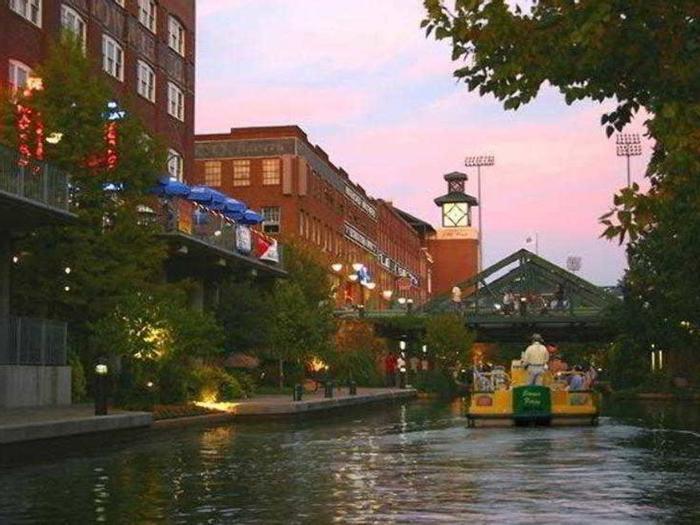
(146, 49)
(304, 197)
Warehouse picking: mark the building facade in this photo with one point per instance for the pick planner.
(306, 198)
(145, 48)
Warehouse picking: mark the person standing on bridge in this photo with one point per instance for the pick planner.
(535, 359)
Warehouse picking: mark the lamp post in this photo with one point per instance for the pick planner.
(101, 371)
(628, 145)
(477, 162)
(401, 362)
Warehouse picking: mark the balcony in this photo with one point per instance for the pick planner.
(31, 195)
(204, 239)
(30, 341)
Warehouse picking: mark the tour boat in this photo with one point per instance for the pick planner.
(501, 399)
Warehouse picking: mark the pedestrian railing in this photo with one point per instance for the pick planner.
(31, 341)
(33, 180)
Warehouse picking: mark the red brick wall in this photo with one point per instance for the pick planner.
(23, 41)
(326, 210)
(455, 260)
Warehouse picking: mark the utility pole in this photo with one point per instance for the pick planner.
(628, 145)
(477, 162)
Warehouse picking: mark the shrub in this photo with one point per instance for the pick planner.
(77, 378)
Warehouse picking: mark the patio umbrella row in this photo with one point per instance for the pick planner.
(209, 197)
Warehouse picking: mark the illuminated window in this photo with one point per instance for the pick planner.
(73, 22)
(176, 165)
(176, 35)
(176, 102)
(19, 73)
(301, 223)
(112, 58)
(147, 14)
(29, 9)
(146, 81)
(271, 222)
(212, 173)
(241, 173)
(270, 172)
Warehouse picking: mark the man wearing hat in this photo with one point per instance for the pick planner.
(535, 359)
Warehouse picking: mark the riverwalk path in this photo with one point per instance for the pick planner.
(30, 424)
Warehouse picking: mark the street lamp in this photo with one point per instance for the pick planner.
(628, 145)
(387, 294)
(409, 305)
(357, 266)
(101, 371)
(477, 162)
(337, 267)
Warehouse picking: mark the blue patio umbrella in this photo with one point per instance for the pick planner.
(169, 187)
(206, 196)
(250, 217)
(232, 206)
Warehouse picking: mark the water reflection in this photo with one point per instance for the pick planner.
(415, 463)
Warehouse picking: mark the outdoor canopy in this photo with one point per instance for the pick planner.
(206, 196)
(250, 217)
(169, 187)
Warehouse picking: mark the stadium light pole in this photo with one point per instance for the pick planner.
(628, 145)
(477, 162)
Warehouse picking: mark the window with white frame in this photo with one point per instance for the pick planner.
(271, 219)
(241, 173)
(176, 102)
(147, 14)
(146, 81)
(270, 172)
(112, 58)
(29, 9)
(73, 22)
(212, 173)
(19, 73)
(176, 35)
(176, 165)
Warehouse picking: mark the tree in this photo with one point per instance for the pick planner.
(642, 55)
(448, 340)
(297, 330)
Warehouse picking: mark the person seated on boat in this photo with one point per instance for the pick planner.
(577, 381)
(535, 360)
(590, 377)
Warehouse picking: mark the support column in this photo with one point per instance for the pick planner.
(5, 265)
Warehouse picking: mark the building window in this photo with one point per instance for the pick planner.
(176, 165)
(146, 81)
(29, 9)
(112, 58)
(176, 102)
(241, 173)
(19, 73)
(271, 222)
(176, 36)
(73, 22)
(271, 172)
(212, 173)
(147, 14)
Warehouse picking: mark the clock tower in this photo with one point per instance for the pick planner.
(455, 246)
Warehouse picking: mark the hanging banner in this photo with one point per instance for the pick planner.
(265, 248)
(244, 242)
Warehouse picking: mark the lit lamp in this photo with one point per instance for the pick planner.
(357, 266)
(336, 267)
(401, 300)
(371, 286)
(409, 305)
(101, 371)
(386, 294)
(353, 277)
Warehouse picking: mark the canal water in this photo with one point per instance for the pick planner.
(402, 463)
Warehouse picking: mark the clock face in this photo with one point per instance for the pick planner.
(455, 214)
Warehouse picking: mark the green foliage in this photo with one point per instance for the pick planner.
(357, 354)
(448, 340)
(437, 381)
(214, 384)
(246, 382)
(244, 312)
(78, 381)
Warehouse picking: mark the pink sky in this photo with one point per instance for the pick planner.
(360, 78)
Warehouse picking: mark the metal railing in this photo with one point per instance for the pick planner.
(31, 341)
(33, 180)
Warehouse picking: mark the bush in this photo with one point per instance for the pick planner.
(215, 384)
(438, 382)
(77, 378)
(245, 380)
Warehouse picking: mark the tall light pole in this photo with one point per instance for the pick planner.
(477, 162)
(628, 145)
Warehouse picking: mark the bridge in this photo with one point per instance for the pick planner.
(544, 298)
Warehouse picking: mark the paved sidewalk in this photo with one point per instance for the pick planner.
(28, 424)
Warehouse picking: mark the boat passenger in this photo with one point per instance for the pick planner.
(576, 382)
(535, 359)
